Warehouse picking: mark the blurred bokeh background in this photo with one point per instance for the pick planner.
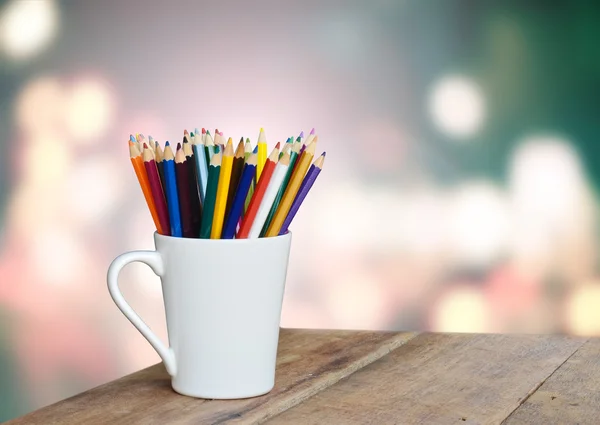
(459, 191)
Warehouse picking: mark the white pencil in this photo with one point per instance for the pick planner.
(269, 196)
(201, 167)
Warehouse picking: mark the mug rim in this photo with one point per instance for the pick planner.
(158, 236)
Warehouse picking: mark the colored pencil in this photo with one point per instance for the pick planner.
(286, 180)
(222, 191)
(237, 208)
(291, 191)
(314, 140)
(236, 174)
(209, 147)
(157, 191)
(214, 170)
(192, 184)
(269, 196)
(183, 191)
(253, 185)
(262, 153)
(158, 157)
(259, 193)
(247, 150)
(286, 149)
(140, 171)
(201, 167)
(171, 191)
(310, 137)
(307, 183)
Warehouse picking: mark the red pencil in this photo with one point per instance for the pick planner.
(157, 191)
(259, 192)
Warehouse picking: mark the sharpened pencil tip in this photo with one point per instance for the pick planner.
(324, 154)
(301, 135)
(167, 144)
(178, 146)
(145, 146)
(278, 145)
(255, 149)
(203, 130)
(132, 138)
(262, 130)
(185, 132)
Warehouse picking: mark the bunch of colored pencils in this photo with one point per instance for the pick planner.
(206, 189)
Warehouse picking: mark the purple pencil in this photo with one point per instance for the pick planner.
(307, 183)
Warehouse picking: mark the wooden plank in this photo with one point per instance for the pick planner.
(439, 379)
(570, 396)
(308, 362)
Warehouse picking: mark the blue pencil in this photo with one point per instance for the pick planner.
(171, 191)
(237, 207)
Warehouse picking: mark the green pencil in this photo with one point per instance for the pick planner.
(247, 150)
(252, 186)
(209, 147)
(286, 180)
(211, 195)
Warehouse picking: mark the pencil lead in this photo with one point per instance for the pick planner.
(301, 135)
(278, 145)
(178, 146)
(312, 131)
(255, 149)
(167, 144)
(145, 146)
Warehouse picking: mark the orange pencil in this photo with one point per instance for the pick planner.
(258, 195)
(140, 172)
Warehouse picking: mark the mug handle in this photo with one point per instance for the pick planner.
(155, 262)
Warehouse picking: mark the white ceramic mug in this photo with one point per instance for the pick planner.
(223, 305)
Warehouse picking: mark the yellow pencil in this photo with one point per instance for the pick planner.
(222, 191)
(262, 153)
(290, 192)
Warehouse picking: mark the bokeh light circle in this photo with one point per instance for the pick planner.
(582, 312)
(89, 110)
(27, 26)
(461, 309)
(40, 107)
(457, 106)
(479, 222)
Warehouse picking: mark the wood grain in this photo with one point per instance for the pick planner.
(308, 362)
(439, 379)
(570, 396)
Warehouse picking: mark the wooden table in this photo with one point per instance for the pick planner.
(347, 377)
